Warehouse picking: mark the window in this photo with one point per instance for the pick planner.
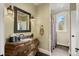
(60, 23)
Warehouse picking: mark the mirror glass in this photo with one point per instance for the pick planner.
(22, 20)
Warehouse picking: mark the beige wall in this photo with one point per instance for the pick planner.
(63, 38)
(41, 12)
(43, 19)
(2, 41)
(9, 19)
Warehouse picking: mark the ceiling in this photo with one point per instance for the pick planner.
(57, 7)
(36, 4)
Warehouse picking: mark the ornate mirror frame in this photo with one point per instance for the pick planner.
(16, 9)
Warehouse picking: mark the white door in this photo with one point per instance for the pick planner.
(77, 35)
(75, 31)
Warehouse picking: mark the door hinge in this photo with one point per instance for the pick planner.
(77, 49)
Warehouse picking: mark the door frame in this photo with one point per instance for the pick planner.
(69, 33)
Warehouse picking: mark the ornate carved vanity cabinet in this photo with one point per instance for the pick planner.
(21, 48)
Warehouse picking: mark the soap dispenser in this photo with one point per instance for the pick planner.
(13, 37)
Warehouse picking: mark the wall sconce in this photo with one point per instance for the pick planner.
(10, 10)
(32, 18)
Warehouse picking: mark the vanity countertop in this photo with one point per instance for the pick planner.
(20, 42)
(15, 43)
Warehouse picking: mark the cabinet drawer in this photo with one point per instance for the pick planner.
(10, 52)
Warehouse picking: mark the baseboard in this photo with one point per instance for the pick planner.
(1, 55)
(44, 51)
(63, 45)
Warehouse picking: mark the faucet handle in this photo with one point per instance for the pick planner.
(21, 36)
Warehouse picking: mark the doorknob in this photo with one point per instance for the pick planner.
(73, 36)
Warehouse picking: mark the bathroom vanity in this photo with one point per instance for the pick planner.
(21, 45)
(22, 48)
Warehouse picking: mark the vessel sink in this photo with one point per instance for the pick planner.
(25, 40)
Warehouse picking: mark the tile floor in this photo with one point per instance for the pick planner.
(60, 51)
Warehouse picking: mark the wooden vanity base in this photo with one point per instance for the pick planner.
(22, 48)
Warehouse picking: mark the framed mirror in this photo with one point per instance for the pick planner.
(21, 20)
